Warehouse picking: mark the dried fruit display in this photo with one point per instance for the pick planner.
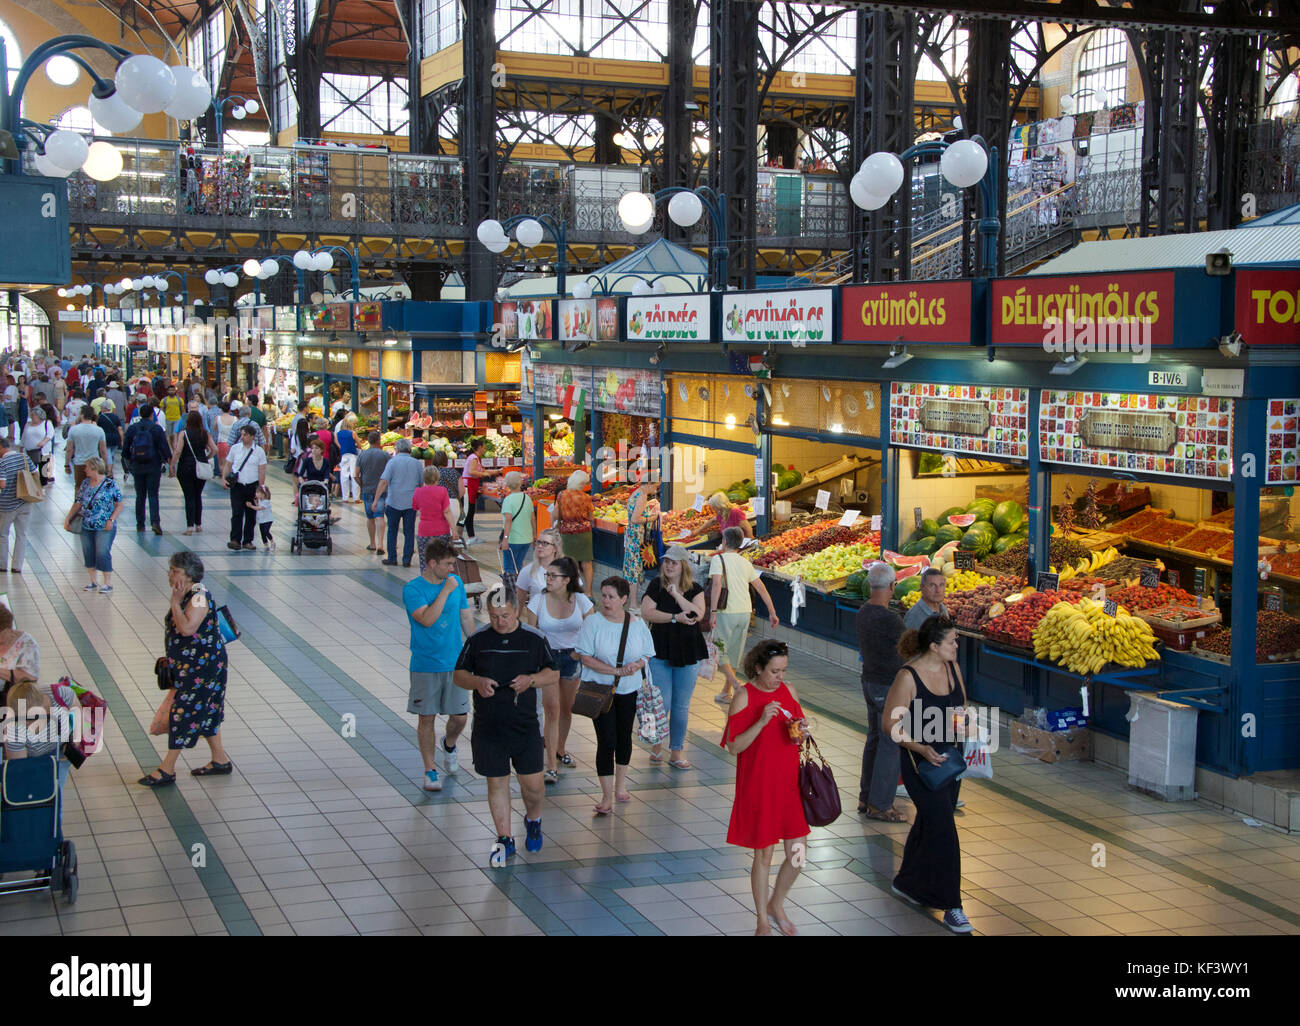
(970, 609)
(1277, 638)
(1139, 520)
(1286, 563)
(1164, 532)
(1122, 569)
(1206, 540)
(1163, 594)
(1015, 560)
(1226, 554)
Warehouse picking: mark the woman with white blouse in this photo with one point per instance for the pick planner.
(558, 613)
(598, 651)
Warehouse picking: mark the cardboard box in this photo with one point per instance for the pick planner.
(1051, 746)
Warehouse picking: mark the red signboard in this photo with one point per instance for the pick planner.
(1268, 307)
(1084, 312)
(367, 316)
(913, 312)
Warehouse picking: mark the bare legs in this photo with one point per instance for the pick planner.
(427, 737)
(568, 690)
(530, 786)
(770, 903)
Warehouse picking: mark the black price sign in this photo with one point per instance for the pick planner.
(964, 560)
(1198, 580)
(1273, 602)
(1149, 576)
(916, 515)
(1109, 607)
(1172, 576)
(1048, 582)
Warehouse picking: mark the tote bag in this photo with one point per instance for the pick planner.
(202, 468)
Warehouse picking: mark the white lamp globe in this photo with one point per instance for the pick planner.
(212, 277)
(145, 83)
(103, 161)
(269, 268)
(322, 261)
(685, 209)
(230, 279)
(489, 231)
(529, 233)
(238, 113)
(641, 287)
(113, 113)
(47, 168)
(110, 290)
(148, 282)
(958, 124)
(62, 70)
(63, 293)
(499, 245)
(126, 284)
(317, 298)
(252, 267)
(883, 173)
(660, 287)
(252, 106)
(964, 163)
(193, 94)
(66, 149)
(863, 196)
(582, 290)
(302, 260)
(636, 210)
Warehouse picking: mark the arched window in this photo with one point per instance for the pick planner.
(13, 55)
(79, 120)
(1103, 71)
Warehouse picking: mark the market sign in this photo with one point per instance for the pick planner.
(524, 320)
(668, 319)
(992, 420)
(368, 316)
(335, 316)
(913, 312)
(1283, 438)
(1172, 435)
(624, 390)
(795, 318)
(1097, 313)
(1268, 307)
(551, 381)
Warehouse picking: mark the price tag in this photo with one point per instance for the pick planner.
(698, 504)
(846, 486)
(1048, 582)
(916, 515)
(1273, 602)
(758, 470)
(964, 560)
(759, 506)
(1149, 576)
(875, 521)
(1110, 607)
(1198, 580)
(1173, 577)
(823, 499)
(685, 533)
(506, 429)
(850, 517)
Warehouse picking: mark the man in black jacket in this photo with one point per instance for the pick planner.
(145, 446)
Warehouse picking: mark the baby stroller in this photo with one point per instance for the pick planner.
(313, 524)
(31, 829)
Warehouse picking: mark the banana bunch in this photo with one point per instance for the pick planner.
(1085, 567)
(1082, 638)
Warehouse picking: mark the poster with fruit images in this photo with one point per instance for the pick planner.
(1283, 445)
(991, 420)
(1170, 435)
(624, 390)
(552, 380)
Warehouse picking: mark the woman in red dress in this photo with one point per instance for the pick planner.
(767, 807)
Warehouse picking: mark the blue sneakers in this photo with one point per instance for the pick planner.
(502, 850)
(431, 781)
(534, 840)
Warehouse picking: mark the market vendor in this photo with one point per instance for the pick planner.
(473, 473)
(725, 514)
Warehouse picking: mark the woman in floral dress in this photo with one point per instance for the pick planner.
(196, 706)
(642, 510)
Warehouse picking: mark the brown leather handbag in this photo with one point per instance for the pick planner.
(594, 699)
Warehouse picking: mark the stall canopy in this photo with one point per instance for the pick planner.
(1287, 215)
(1277, 244)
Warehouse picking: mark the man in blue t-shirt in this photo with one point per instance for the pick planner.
(440, 621)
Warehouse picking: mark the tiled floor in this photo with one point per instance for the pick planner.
(324, 829)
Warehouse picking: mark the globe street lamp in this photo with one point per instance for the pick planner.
(240, 108)
(529, 231)
(322, 260)
(637, 210)
(963, 163)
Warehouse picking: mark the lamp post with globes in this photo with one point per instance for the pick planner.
(529, 232)
(240, 108)
(322, 260)
(963, 163)
(637, 212)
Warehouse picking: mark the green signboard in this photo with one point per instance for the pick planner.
(34, 223)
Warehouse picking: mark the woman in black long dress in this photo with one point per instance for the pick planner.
(186, 448)
(931, 871)
(199, 664)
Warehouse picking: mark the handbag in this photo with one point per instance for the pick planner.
(725, 593)
(165, 672)
(29, 486)
(817, 789)
(594, 698)
(202, 468)
(226, 624)
(936, 778)
(74, 524)
(651, 714)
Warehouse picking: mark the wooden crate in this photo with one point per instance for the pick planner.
(1223, 540)
(1139, 519)
(1162, 523)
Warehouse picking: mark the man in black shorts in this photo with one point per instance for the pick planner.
(503, 665)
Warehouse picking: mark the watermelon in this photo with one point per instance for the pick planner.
(976, 542)
(928, 527)
(749, 487)
(1008, 540)
(903, 587)
(982, 508)
(926, 546)
(738, 496)
(954, 511)
(909, 548)
(963, 519)
(948, 533)
(786, 479)
(904, 572)
(1008, 517)
(892, 558)
(857, 584)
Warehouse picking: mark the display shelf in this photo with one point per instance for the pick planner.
(1119, 676)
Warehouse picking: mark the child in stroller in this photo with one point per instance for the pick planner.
(313, 526)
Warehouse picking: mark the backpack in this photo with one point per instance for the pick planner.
(112, 437)
(142, 450)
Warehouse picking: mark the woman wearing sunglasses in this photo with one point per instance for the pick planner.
(558, 613)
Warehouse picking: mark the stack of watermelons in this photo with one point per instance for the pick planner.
(980, 527)
(740, 492)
